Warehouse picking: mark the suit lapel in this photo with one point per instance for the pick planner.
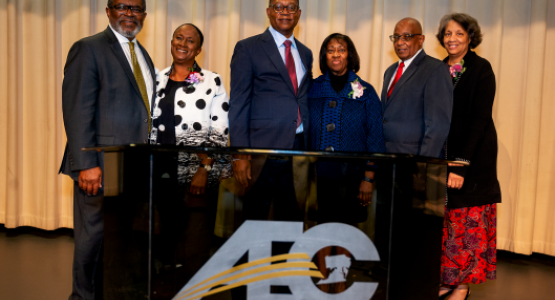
(386, 80)
(122, 59)
(152, 74)
(272, 51)
(407, 74)
(304, 58)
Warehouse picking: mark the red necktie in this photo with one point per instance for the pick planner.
(290, 65)
(397, 76)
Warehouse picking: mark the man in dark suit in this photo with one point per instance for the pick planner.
(108, 85)
(417, 96)
(270, 78)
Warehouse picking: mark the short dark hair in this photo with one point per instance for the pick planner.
(111, 2)
(270, 3)
(198, 30)
(467, 22)
(353, 58)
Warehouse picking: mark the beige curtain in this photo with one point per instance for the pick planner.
(35, 36)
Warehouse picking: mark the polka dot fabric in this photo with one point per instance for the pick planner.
(201, 119)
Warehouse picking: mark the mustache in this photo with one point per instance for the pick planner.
(132, 19)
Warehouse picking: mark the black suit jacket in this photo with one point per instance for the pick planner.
(263, 104)
(101, 101)
(473, 137)
(417, 116)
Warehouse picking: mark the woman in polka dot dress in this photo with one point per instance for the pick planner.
(190, 109)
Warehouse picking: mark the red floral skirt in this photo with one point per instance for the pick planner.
(469, 245)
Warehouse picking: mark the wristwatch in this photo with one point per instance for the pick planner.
(208, 168)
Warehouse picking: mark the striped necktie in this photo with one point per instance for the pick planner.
(140, 80)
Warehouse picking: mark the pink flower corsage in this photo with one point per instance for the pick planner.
(457, 69)
(194, 78)
(358, 90)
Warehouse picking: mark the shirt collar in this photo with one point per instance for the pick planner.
(409, 61)
(121, 38)
(280, 38)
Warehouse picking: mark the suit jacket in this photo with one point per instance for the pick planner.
(101, 101)
(473, 137)
(263, 104)
(417, 116)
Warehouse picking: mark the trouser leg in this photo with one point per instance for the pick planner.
(88, 223)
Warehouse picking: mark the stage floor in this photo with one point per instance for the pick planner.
(36, 264)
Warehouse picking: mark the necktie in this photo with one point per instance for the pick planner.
(397, 76)
(140, 80)
(290, 65)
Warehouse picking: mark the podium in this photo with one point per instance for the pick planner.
(160, 240)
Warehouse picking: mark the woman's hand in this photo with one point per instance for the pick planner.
(455, 181)
(198, 184)
(365, 192)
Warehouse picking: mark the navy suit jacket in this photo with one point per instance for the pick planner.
(101, 101)
(263, 104)
(417, 116)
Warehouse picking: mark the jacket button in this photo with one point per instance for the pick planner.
(384, 121)
(330, 148)
(332, 104)
(144, 141)
(145, 120)
(330, 127)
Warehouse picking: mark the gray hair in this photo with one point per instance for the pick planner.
(111, 2)
(468, 23)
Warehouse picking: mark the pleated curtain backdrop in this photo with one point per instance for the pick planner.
(35, 37)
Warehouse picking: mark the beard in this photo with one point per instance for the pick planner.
(128, 33)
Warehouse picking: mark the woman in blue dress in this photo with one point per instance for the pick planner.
(345, 116)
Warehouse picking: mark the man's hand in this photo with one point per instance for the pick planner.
(242, 169)
(198, 184)
(90, 180)
(365, 192)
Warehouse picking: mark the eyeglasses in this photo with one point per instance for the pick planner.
(123, 9)
(279, 8)
(404, 37)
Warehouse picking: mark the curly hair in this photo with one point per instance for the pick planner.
(353, 59)
(467, 22)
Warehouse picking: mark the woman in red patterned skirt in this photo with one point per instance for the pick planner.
(469, 233)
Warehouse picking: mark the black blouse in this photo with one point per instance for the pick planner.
(472, 136)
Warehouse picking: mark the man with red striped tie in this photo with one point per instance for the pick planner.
(270, 78)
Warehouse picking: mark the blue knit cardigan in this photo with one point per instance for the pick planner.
(344, 124)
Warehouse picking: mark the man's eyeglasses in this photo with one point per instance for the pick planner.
(123, 9)
(404, 37)
(280, 8)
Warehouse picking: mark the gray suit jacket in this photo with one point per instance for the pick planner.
(417, 116)
(101, 101)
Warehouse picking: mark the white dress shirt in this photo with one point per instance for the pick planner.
(124, 42)
(407, 64)
(299, 67)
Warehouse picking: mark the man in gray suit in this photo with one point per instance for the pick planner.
(108, 85)
(417, 96)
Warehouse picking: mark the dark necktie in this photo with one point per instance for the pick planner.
(397, 76)
(290, 65)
